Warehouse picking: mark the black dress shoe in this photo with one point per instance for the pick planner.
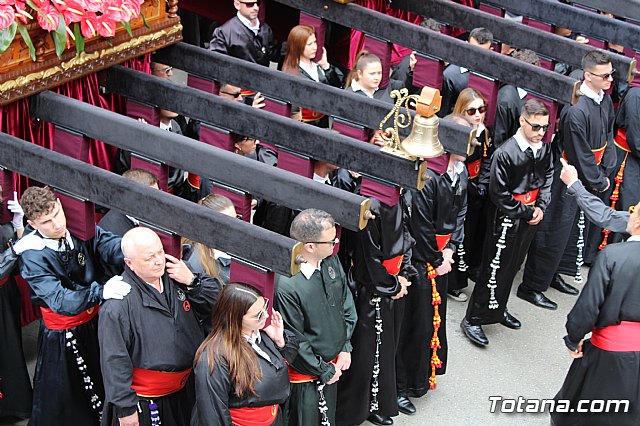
(377, 419)
(510, 321)
(537, 298)
(559, 284)
(405, 405)
(474, 333)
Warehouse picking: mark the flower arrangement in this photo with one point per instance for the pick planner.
(65, 20)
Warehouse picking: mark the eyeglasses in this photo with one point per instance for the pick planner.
(537, 127)
(472, 111)
(332, 242)
(604, 76)
(252, 140)
(232, 94)
(632, 209)
(250, 4)
(166, 70)
(264, 310)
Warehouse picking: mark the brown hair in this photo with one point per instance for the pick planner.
(534, 107)
(216, 203)
(225, 342)
(37, 201)
(595, 58)
(296, 43)
(465, 97)
(142, 176)
(363, 58)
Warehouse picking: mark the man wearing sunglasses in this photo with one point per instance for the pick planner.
(244, 36)
(519, 189)
(317, 306)
(585, 140)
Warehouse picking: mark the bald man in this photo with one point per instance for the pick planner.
(149, 338)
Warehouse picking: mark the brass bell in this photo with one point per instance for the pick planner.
(423, 140)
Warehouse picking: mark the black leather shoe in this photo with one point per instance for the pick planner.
(510, 321)
(405, 405)
(377, 419)
(474, 333)
(537, 298)
(559, 284)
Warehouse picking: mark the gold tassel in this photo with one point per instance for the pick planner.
(615, 196)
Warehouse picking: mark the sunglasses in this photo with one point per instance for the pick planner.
(604, 76)
(472, 111)
(537, 127)
(264, 310)
(250, 4)
(332, 242)
(166, 70)
(232, 94)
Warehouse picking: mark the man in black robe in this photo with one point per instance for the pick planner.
(456, 78)
(437, 224)
(586, 140)
(65, 275)
(148, 339)
(521, 174)
(382, 271)
(606, 366)
(245, 37)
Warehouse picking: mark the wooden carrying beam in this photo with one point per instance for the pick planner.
(500, 67)
(628, 9)
(273, 251)
(317, 143)
(581, 21)
(296, 192)
(514, 33)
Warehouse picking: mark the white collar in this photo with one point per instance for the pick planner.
(634, 238)
(154, 287)
(458, 168)
(523, 144)
(481, 128)
(596, 97)
(217, 254)
(321, 179)
(54, 243)
(355, 87)
(463, 70)
(254, 338)
(521, 92)
(247, 23)
(308, 270)
(165, 126)
(311, 70)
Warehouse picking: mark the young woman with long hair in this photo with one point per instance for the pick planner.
(240, 370)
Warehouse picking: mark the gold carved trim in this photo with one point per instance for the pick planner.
(87, 63)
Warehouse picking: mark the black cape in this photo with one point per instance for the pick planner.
(233, 38)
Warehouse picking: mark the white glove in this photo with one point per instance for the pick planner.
(31, 241)
(18, 215)
(115, 288)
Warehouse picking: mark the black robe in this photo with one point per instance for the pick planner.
(68, 284)
(215, 392)
(453, 83)
(507, 114)
(437, 209)
(233, 38)
(15, 384)
(384, 237)
(331, 76)
(154, 331)
(628, 119)
(512, 172)
(583, 127)
(610, 296)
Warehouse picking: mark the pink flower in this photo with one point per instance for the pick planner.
(95, 5)
(49, 19)
(88, 24)
(131, 9)
(72, 12)
(106, 27)
(7, 16)
(21, 13)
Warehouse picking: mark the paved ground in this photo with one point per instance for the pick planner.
(530, 362)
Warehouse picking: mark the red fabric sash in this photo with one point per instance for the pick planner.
(247, 92)
(621, 140)
(393, 265)
(442, 241)
(194, 180)
(3, 281)
(527, 198)
(311, 115)
(598, 153)
(254, 416)
(624, 337)
(474, 168)
(155, 384)
(296, 377)
(55, 321)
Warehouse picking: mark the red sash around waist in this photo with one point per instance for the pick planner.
(442, 241)
(311, 115)
(393, 265)
(527, 198)
(624, 337)
(474, 168)
(55, 321)
(155, 384)
(621, 140)
(254, 416)
(246, 92)
(194, 180)
(3, 281)
(598, 153)
(296, 377)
